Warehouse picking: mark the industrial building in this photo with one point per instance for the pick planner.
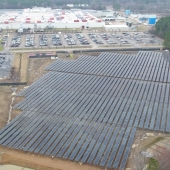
(39, 17)
(127, 12)
(46, 17)
(103, 13)
(77, 5)
(149, 19)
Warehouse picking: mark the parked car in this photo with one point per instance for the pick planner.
(43, 40)
(16, 41)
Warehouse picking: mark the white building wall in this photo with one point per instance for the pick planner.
(5, 26)
(146, 16)
(10, 26)
(96, 13)
(54, 25)
(100, 13)
(66, 25)
(25, 25)
(134, 15)
(16, 25)
(116, 28)
(42, 25)
(97, 24)
(107, 13)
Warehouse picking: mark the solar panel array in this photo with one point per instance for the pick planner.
(102, 99)
(70, 138)
(91, 115)
(149, 66)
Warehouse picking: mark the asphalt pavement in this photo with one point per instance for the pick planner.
(5, 65)
(134, 39)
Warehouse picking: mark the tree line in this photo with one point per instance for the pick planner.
(133, 5)
(162, 29)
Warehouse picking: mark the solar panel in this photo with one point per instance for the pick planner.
(88, 110)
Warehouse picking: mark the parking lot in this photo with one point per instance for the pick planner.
(134, 39)
(4, 39)
(5, 64)
(130, 38)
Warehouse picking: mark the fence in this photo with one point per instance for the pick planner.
(118, 49)
(13, 84)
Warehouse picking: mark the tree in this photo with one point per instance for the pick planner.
(141, 7)
(116, 6)
(166, 43)
(162, 26)
(76, 2)
(153, 164)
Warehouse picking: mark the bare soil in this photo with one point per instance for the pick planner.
(37, 65)
(5, 100)
(143, 28)
(21, 65)
(144, 139)
(10, 156)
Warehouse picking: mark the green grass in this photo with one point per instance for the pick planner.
(1, 47)
(142, 28)
(153, 164)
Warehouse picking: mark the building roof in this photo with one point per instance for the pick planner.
(46, 15)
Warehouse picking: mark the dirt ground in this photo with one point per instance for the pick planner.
(6, 91)
(39, 162)
(143, 28)
(144, 140)
(37, 66)
(5, 100)
(20, 65)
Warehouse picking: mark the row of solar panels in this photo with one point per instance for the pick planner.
(80, 140)
(98, 85)
(145, 66)
(111, 110)
(111, 58)
(108, 100)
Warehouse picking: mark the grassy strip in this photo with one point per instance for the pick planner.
(1, 47)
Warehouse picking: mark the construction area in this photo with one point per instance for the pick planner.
(98, 110)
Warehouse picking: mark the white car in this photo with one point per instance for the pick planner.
(125, 42)
(65, 36)
(111, 42)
